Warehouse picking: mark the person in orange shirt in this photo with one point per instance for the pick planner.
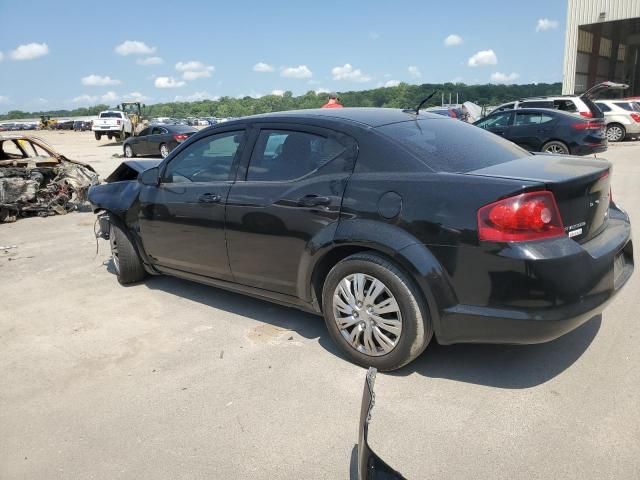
(334, 101)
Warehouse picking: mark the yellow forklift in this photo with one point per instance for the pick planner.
(134, 110)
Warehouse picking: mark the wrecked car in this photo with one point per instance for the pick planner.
(37, 180)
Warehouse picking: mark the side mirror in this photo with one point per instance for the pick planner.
(150, 177)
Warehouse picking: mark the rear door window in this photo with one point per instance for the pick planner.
(452, 146)
(283, 155)
(532, 118)
(565, 105)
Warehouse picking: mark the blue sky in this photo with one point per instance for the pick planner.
(67, 54)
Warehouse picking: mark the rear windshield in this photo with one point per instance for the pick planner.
(111, 115)
(452, 146)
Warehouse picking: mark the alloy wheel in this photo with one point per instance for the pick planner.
(614, 133)
(555, 148)
(164, 151)
(367, 314)
(128, 152)
(114, 251)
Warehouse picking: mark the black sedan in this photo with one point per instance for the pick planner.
(547, 130)
(157, 140)
(396, 227)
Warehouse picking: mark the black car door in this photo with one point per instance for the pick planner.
(182, 219)
(295, 179)
(531, 130)
(498, 123)
(139, 142)
(158, 136)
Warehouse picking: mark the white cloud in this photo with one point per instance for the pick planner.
(134, 47)
(85, 99)
(194, 69)
(4, 99)
(277, 92)
(30, 51)
(374, 35)
(453, 40)
(262, 67)
(546, 24)
(145, 62)
(99, 81)
(499, 77)
(168, 82)
(109, 97)
(347, 72)
(482, 58)
(414, 71)
(195, 97)
(391, 83)
(136, 96)
(301, 71)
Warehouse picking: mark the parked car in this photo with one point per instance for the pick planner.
(582, 105)
(157, 140)
(81, 126)
(550, 131)
(622, 119)
(395, 226)
(112, 123)
(65, 125)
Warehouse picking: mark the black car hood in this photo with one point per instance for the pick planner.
(130, 169)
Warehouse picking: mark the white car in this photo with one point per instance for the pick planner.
(622, 118)
(112, 123)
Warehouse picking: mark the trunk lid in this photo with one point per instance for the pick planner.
(581, 187)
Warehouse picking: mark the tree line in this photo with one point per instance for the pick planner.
(402, 96)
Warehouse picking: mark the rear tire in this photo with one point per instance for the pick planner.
(98, 135)
(126, 261)
(556, 147)
(616, 132)
(356, 325)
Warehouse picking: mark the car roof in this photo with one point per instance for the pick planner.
(372, 117)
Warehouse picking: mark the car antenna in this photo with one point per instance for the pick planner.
(417, 110)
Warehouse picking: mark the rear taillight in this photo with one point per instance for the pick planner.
(588, 125)
(636, 117)
(587, 114)
(118, 122)
(181, 137)
(528, 216)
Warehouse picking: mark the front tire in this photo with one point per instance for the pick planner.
(615, 132)
(374, 313)
(98, 135)
(128, 151)
(126, 261)
(164, 150)
(556, 147)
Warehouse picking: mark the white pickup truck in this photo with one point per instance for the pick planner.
(112, 123)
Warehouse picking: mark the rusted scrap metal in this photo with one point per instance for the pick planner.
(37, 180)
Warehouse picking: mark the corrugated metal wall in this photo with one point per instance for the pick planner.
(584, 12)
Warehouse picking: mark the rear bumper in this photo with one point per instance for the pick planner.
(589, 149)
(578, 284)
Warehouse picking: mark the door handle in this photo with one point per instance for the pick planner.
(209, 198)
(313, 201)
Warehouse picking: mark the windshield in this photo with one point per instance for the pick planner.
(111, 115)
(452, 146)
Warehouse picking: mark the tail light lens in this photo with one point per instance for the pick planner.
(524, 217)
(636, 117)
(588, 125)
(587, 114)
(180, 137)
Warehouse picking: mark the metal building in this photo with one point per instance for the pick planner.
(602, 43)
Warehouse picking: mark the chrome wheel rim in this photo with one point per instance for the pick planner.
(556, 149)
(114, 252)
(128, 152)
(614, 134)
(367, 314)
(164, 151)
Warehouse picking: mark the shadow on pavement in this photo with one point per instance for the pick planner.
(504, 366)
(305, 324)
